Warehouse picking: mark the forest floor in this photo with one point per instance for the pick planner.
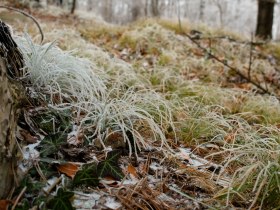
(146, 116)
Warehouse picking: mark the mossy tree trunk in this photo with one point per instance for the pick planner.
(8, 123)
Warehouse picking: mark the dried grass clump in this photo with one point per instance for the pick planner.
(143, 114)
(253, 108)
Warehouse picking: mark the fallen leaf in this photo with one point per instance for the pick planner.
(109, 181)
(4, 204)
(132, 170)
(70, 169)
(28, 137)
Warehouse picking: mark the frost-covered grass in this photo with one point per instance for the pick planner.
(151, 79)
(252, 154)
(60, 74)
(69, 82)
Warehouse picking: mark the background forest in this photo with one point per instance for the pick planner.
(236, 15)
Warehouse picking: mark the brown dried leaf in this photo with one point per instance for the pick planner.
(70, 169)
(4, 204)
(132, 170)
(26, 136)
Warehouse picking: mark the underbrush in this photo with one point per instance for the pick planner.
(151, 81)
(101, 106)
(252, 156)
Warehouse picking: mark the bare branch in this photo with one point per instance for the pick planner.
(250, 57)
(27, 15)
(224, 62)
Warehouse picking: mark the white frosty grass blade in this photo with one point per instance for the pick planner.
(257, 155)
(115, 70)
(60, 72)
(144, 113)
(109, 104)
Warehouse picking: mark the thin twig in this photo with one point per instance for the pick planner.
(189, 197)
(56, 182)
(27, 15)
(230, 39)
(18, 198)
(237, 71)
(250, 57)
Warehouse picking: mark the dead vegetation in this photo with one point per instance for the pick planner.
(171, 127)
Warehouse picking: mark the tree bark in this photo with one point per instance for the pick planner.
(8, 123)
(108, 11)
(265, 18)
(73, 7)
(154, 8)
(11, 64)
(201, 10)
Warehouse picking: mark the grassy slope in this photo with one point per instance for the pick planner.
(215, 113)
(212, 104)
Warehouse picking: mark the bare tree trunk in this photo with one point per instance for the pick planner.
(9, 53)
(146, 7)
(136, 11)
(265, 18)
(73, 7)
(108, 10)
(201, 10)
(7, 134)
(154, 8)
(221, 12)
(89, 5)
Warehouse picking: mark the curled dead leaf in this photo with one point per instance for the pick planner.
(69, 169)
(132, 171)
(4, 204)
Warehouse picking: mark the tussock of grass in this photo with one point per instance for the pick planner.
(73, 83)
(202, 123)
(255, 154)
(149, 39)
(61, 74)
(267, 109)
(136, 111)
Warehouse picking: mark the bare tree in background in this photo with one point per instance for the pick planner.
(73, 7)
(107, 11)
(155, 8)
(201, 10)
(146, 8)
(89, 5)
(221, 11)
(136, 10)
(265, 18)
